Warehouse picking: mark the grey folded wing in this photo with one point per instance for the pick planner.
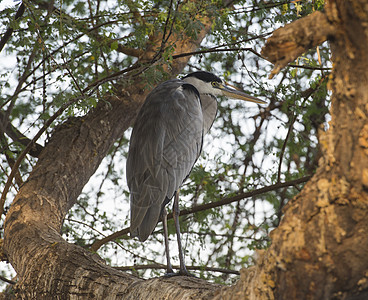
(165, 143)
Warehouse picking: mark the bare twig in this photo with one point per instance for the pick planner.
(118, 244)
(10, 30)
(310, 67)
(28, 148)
(212, 50)
(284, 147)
(5, 149)
(7, 280)
(17, 136)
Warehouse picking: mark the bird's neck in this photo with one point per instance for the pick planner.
(209, 110)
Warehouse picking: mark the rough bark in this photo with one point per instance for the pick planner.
(320, 249)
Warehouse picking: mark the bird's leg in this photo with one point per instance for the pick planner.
(176, 213)
(169, 269)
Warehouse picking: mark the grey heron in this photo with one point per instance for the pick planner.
(166, 142)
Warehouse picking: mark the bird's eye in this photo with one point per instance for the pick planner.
(214, 84)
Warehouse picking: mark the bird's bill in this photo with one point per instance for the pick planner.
(232, 92)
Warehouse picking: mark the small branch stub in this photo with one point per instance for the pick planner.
(289, 42)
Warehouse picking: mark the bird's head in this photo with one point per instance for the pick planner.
(210, 84)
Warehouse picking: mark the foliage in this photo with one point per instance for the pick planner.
(79, 49)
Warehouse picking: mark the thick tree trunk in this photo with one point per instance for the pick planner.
(319, 251)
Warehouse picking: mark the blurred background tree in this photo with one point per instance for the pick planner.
(63, 56)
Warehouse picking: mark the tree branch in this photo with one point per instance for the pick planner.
(7, 280)
(290, 129)
(98, 243)
(19, 137)
(10, 30)
(28, 148)
(160, 266)
(90, 31)
(289, 42)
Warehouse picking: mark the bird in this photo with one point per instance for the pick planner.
(165, 143)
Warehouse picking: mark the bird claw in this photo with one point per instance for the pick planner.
(170, 274)
(182, 272)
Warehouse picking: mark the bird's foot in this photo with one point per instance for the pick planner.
(169, 271)
(182, 272)
(170, 274)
